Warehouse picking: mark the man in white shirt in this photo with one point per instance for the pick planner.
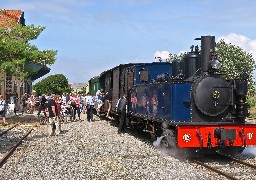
(13, 101)
(90, 107)
(99, 100)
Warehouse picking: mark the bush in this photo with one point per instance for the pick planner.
(251, 101)
(57, 83)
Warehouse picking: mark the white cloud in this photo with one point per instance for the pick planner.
(247, 44)
(163, 54)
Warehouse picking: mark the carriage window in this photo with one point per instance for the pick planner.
(143, 75)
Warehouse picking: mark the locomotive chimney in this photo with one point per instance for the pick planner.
(207, 47)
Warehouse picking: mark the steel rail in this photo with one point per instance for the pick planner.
(229, 159)
(4, 132)
(10, 152)
(239, 161)
(215, 170)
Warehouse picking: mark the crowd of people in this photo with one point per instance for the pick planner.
(54, 107)
(72, 105)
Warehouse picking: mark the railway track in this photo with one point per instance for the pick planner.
(5, 131)
(228, 167)
(12, 143)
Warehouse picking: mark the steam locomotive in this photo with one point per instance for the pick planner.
(188, 102)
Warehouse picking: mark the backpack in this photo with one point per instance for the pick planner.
(73, 104)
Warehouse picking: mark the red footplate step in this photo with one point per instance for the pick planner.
(208, 136)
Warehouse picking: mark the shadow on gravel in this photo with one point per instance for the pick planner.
(37, 136)
(64, 131)
(147, 139)
(25, 119)
(141, 135)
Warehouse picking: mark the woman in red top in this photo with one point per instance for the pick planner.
(75, 103)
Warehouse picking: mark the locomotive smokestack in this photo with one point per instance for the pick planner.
(207, 47)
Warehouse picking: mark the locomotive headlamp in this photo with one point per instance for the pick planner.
(215, 64)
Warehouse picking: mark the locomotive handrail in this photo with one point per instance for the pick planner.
(201, 139)
(244, 138)
(209, 143)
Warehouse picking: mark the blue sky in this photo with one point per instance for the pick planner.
(95, 35)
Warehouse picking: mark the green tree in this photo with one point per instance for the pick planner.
(16, 50)
(57, 83)
(234, 60)
(177, 56)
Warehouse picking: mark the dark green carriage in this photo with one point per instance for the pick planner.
(94, 85)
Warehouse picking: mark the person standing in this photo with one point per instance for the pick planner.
(75, 103)
(53, 116)
(24, 100)
(67, 98)
(99, 100)
(82, 102)
(42, 105)
(85, 100)
(121, 110)
(2, 108)
(13, 101)
(89, 106)
(58, 104)
(64, 99)
(32, 102)
(108, 97)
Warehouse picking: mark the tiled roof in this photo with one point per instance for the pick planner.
(7, 17)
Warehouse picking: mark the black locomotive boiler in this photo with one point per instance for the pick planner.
(188, 102)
